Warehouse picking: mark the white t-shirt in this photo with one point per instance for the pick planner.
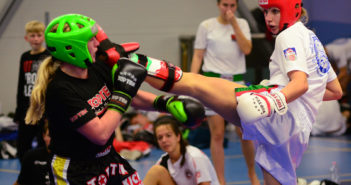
(340, 51)
(222, 54)
(298, 48)
(196, 169)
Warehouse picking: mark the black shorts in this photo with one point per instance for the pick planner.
(106, 170)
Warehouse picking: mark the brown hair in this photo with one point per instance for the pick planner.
(218, 1)
(171, 121)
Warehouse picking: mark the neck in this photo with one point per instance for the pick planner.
(175, 155)
(40, 50)
(74, 71)
(222, 20)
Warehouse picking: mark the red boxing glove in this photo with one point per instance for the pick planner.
(113, 51)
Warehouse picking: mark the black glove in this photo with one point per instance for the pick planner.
(185, 109)
(127, 77)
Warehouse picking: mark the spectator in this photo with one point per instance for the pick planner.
(182, 163)
(29, 65)
(35, 167)
(221, 44)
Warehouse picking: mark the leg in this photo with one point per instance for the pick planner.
(206, 89)
(248, 149)
(26, 134)
(216, 124)
(269, 179)
(158, 175)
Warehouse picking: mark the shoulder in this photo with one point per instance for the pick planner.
(61, 85)
(242, 21)
(292, 32)
(195, 152)
(25, 54)
(208, 22)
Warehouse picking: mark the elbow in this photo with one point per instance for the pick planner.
(247, 51)
(338, 94)
(101, 141)
(304, 88)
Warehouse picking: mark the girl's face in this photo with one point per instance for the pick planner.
(167, 139)
(227, 5)
(272, 17)
(92, 47)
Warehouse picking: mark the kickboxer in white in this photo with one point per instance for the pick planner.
(278, 116)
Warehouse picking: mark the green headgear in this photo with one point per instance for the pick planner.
(71, 45)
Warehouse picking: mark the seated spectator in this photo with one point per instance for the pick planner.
(35, 167)
(330, 120)
(182, 163)
(339, 52)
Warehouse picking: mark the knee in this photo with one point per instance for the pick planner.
(157, 170)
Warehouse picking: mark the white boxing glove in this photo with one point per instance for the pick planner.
(253, 106)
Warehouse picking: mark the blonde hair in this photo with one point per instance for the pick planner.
(44, 76)
(37, 99)
(34, 27)
(304, 16)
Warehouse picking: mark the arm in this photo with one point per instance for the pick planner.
(197, 60)
(297, 86)
(20, 90)
(99, 130)
(205, 183)
(244, 43)
(333, 91)
(127, 79)
(144, 100)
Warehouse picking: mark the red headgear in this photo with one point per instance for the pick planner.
(290, 10)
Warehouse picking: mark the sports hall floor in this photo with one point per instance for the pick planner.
(314, 166)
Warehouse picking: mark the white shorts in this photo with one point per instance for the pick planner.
(281, 140)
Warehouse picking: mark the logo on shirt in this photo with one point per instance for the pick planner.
(321, 58)
(290, 54)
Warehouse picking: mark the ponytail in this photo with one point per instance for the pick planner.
(304, 16)
(37, 99)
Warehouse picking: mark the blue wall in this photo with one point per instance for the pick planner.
(330, 19)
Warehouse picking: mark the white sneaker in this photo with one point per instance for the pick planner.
(301, 181)
(315, 182)
(131, 154)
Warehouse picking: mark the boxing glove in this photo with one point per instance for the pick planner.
(111, 52)
(254, 106)
(186, 110)
(160, 69)
(127, 77)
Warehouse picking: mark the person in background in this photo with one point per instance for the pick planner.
(339, 52)
(221, 45)
(35, 167)
(29, 65)
(330, 120)
(182, 163)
